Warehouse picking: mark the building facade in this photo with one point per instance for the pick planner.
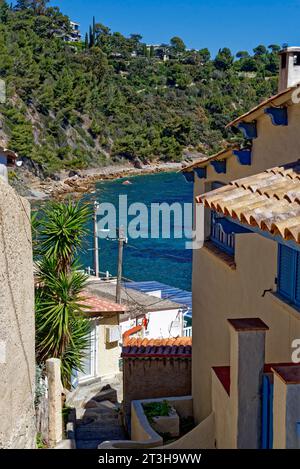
(239, 271)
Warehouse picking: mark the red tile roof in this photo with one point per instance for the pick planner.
(96, 304)
(181, 347)
(269, 201)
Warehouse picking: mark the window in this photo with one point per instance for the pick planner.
(297, 58)
(223, 240)
(218, 236)
(289, 274)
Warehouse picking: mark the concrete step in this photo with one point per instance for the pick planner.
(97, 434)
(88, 444)
(96, 415)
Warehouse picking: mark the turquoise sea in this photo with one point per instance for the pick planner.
(163, 260)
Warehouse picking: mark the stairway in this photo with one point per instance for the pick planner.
(98, 419)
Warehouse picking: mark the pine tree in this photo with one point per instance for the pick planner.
(91, 42)
(4, 9)
(94, 30)
(86, 41)
(23, 4)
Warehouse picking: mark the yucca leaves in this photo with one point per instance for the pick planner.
(61, 231)
(61, 328)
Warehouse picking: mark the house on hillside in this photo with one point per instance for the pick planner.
(246, 280)
(75, 35)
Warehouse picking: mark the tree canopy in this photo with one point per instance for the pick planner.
(73, 105)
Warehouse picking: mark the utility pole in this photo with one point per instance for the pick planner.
(121, 241)
(96, 241)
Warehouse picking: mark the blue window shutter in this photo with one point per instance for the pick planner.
(286, 274)
(297, 279)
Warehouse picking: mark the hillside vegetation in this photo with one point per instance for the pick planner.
(111, 98)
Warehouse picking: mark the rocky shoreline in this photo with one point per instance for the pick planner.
(77, 182)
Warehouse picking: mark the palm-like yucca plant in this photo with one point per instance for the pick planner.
(61, 329)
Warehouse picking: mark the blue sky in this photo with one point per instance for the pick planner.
(239, 24)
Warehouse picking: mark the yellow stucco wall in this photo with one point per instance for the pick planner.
(224, 426)
(108, 354)
(220, 292)
(279, 414)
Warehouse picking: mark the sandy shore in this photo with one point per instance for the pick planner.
(83, 181)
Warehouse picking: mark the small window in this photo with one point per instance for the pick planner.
(283, 61)
(297, 58)
(289, 274)
(224, 241)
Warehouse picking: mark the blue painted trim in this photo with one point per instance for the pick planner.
(279, 115)
(267, 413)
(244, 156)
(201, 172)
(271, 415)
(267, 235)
(219, 166)
(189, 176)
(292, 276)
(249, 129)
(222, 246)
(230, 227)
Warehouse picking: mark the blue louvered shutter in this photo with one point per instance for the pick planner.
(297, 279)
(286, 274)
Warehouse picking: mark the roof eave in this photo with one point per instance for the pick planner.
(221, 155)
(277, 100)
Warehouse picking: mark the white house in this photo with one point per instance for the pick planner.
(156, 317)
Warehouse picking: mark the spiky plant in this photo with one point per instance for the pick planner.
(61, 328)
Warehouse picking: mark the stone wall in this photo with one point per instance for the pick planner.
(153, 378)
(17, 356)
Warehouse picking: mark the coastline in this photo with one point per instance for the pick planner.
(78, 182)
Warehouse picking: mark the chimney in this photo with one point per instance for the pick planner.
(247, 358)
(289, 69)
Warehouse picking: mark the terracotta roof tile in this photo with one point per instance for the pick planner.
(178, 347)
(96, 304)
(269, 200)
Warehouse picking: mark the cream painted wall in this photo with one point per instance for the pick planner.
(108, 354)
(224, 430)
(279, 413)
(220, 292)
